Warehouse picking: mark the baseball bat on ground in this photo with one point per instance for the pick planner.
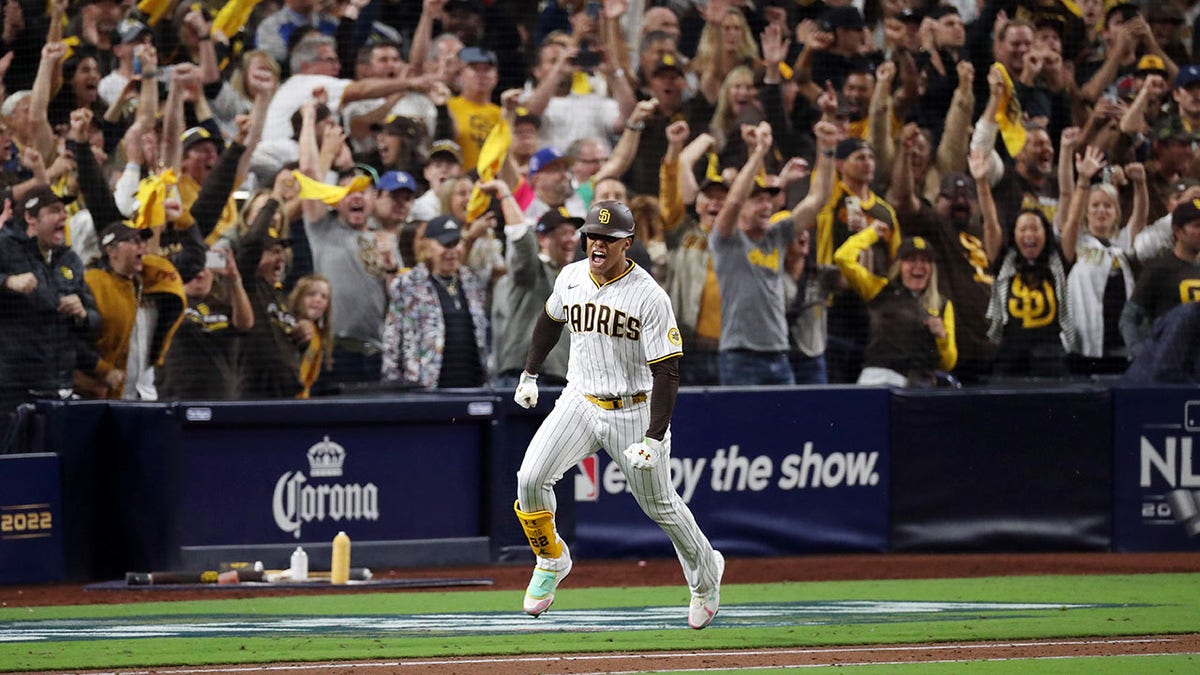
(190, 577)
(227, 576)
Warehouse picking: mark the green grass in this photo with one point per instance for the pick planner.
(1138, 604)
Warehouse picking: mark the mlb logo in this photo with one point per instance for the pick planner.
(587, 481)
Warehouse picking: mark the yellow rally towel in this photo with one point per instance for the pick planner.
(1008, 116)
(233, 17)
(580, 83)
(310, 364)
(151, 194)
(329, 194)
(153, 9)
(713, 170)
(491, 158)
(71, 41)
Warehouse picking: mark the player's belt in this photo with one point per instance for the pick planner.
(617, 402)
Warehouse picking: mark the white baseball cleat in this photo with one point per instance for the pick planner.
(548, 574)
(705, 606)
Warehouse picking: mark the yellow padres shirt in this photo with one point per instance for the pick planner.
(474, 121)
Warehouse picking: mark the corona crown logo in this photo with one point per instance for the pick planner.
(325, 459)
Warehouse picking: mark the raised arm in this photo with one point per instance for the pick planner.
(710, 53)
(1087, 166)
(879, 125)
(546, 88)
(619, 89)
(423, 33)
(147, 111)
(172, 149)
(1136, 173)
(804, 214)
(670, 193)
(699, 147)
(58, 10)
(622, 155)
(986, 128)
(980, 163)
(261, 84)
(1122, 49)
(727, 217)
(956, 135)
(513, 215)
(901, 193)
(1067, 143)
(40, 95)
(809, 34)
(210, 68)
(310, 154)
(96, 193)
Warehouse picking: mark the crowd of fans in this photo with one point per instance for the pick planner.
(255, 199)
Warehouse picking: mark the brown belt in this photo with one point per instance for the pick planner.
(617, 402)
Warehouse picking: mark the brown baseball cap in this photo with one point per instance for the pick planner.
(41, 195)
(118, 232)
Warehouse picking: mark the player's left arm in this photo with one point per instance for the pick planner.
(662, 396)
(662, 347)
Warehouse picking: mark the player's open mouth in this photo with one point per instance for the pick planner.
(598, 257)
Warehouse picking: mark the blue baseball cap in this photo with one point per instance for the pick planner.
(470, 55)
(1189, 74)
(396, 180)
(544, 157)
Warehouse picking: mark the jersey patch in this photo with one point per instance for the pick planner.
(673, 337)
(67, 273)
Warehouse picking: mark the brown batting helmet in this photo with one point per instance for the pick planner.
(609, 219)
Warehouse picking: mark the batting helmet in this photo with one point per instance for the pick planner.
(608, 219)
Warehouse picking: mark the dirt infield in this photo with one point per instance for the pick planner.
(744, 570)
(668, 662)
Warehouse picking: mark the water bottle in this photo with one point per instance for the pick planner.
(299, 565)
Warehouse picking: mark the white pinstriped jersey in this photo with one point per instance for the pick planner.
(617, 329)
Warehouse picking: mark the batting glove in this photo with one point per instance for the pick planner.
(644, 454)
(527, 391)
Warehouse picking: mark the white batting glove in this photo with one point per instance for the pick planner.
(644, 454)
(527, 391)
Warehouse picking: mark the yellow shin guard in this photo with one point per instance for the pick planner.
(539, 530)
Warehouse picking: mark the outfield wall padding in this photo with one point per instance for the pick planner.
(1008, 470)
(766, 471)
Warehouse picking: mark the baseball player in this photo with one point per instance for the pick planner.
(622, 378)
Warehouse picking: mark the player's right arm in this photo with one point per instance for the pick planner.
(548, 328)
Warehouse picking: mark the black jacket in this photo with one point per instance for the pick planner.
(38, 351)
